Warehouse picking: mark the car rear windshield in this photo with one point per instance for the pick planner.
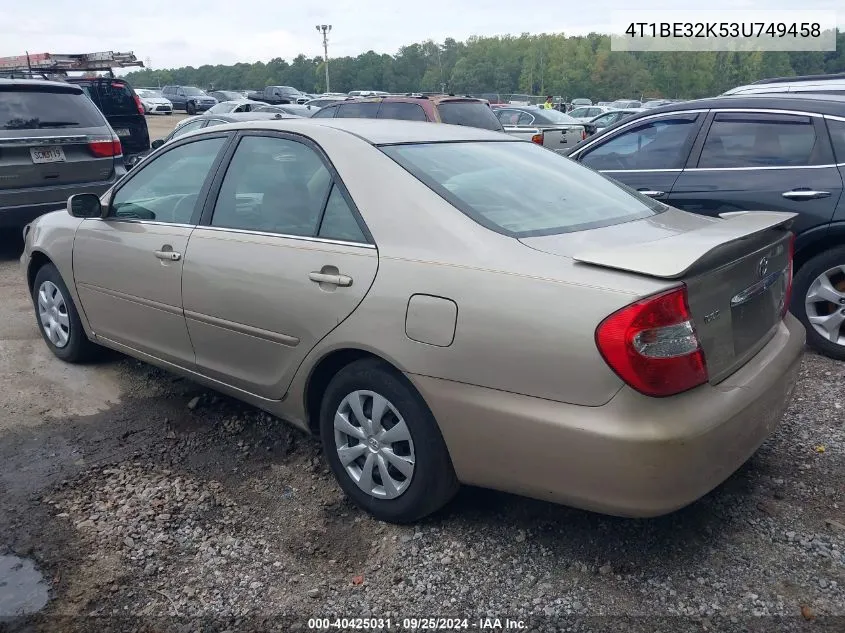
(555, 116)
(520, 189)
(28, 109)
(471, 113)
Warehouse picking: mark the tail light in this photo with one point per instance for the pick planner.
(787, 293)
(583, 134)
(105, 146)
(537, 138)
(138, 104)
(652, 345)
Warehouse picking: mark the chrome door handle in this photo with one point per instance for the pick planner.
(170, 256)
(805, 194)
(649, 192)
(334, 280)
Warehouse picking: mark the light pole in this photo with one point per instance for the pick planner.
(324, 29)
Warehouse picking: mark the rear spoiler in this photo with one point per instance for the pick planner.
(672, 257)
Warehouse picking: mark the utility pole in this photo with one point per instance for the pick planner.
(325, 28)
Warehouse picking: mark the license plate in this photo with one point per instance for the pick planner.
(47, 154)
(122, 132)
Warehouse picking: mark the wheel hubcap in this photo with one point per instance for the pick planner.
(825, 304)
(52, 312)
(374, 444)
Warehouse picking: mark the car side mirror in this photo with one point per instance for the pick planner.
(85, 205)
(157, 143)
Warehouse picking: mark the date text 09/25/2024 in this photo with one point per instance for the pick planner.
(416, 624)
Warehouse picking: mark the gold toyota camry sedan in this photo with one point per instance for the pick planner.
(441, 305)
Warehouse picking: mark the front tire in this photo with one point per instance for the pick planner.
(383, 444)
(191, 108)
(58, 319)
(818, 300)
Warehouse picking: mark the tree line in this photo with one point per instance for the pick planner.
(582, 66)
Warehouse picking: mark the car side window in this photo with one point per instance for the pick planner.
(659, 144)
(579, 112)
(212, 122)
(403, 111)
(339, 222)
(605, 120)
(273, 185)
(167, 187)
(353, 110)
(325, 113)
(837, 137)
(759, 140)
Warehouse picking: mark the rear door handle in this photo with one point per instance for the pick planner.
(169, 256)
(805, 194)
(651, 193)
(334, 280)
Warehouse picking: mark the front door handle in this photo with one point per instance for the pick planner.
(651, 193)
(805, 194)
(169, 256)
(334, 280)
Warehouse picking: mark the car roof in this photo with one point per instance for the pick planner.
(421, 99)
(235, 117)
(821, 103)
(35, 83)
(378, 131)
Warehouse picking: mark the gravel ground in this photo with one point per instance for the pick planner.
(168, 507)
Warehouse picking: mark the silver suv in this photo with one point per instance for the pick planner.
(54, 142)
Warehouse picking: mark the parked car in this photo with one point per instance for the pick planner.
(226, 95)
(188, 98)
(549, 128)
(656, 103)
(820, 84)
(236, 105)
(580, 103)
(276, 95)
(613, 116)
(780, 152)
(625, 104)
(585, 114)
(153, 102)
(122, 108)
(321, 102)
(366, 93)
(303, 110)
(436, 302)
(439, 109)
(520, 99)
(53, 142)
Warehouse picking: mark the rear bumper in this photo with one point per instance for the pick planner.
(43, 200)
(635, 456)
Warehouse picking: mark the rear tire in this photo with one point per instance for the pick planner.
(806, 287)
(57, 318)
(426, 481)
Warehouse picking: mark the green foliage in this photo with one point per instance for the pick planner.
(570, 67)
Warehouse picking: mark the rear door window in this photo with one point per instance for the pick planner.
(469, 113)
(46, 108)
(658, 144)
(403, 111)
(837, 137)
(760, 140)
(358, 111)
(325, 113)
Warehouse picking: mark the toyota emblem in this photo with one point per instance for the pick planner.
(763, 267)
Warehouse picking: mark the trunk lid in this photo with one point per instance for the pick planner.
(735, 270)
(561, 138)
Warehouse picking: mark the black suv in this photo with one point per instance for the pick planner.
(745, 153)
(123, 110)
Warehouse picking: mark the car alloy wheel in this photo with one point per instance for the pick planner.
(825, 304)
(53, 314)
(374, 444)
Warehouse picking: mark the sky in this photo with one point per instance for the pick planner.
(173, 33)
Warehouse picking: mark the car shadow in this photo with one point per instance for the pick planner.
(11, 244)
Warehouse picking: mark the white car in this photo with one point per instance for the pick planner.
(585, 114)
(153, 102)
